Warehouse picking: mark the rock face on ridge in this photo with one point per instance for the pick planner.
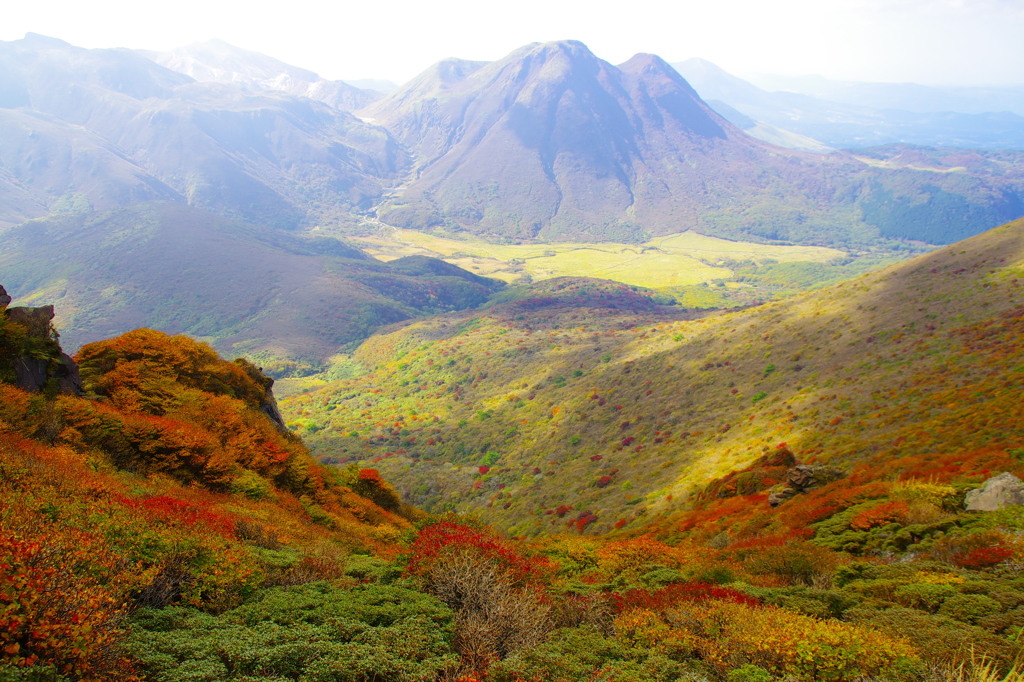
(40, 362)
(802, 479)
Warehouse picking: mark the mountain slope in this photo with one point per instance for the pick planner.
(552, 143)
(248, 289)
(600, 401)
(166, 486)
(268, 158)
(216, 61)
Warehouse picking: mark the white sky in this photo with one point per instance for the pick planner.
(950, 42)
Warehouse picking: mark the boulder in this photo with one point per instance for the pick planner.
(806, 477)
(780, 494)
(995, 493)
(802, 479)
(5, 300)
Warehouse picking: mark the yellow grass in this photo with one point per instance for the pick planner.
(673, 260)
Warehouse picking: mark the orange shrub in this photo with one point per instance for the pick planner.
(52, 613)
(726, 634)
(881, 515)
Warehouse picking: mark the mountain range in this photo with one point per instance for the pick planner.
(548, 144)
(850, 115)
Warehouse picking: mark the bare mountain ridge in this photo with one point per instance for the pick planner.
(553, 144)
(216, 61)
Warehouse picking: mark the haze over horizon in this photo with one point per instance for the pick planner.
(934, 42)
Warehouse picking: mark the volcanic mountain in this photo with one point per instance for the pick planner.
(552, 143)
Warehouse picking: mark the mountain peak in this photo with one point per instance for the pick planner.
(652, 66)
(565, 138)
(39, 40)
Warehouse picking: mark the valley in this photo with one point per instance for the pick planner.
(673, 260)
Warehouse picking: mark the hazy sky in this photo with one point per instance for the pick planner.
(965, 42)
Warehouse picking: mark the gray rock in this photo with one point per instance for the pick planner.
(802, 479)
(997, 492)
(780, 494)
(5, 300)
(34, 372)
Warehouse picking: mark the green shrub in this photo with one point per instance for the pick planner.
(660, 577)
(316, 632)
(251, 485)
(924, 596)
(937, 639)
(749, 673)
(572, 654)
(968, 608)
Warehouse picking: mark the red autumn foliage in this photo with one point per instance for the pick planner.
(439, 539)
(667, 597)
(883, 514)
(173, 512)
(982, 557)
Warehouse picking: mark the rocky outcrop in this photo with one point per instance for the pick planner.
(997, 492)
(42, 362)
(802, 479)
(763, 473)
(268, 404)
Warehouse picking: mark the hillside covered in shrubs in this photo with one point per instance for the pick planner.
(821, 489)
(587, 400)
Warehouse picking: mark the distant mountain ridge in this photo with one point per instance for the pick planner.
(866, 114)
(98, 129)
(907, 96)
(216, 61)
